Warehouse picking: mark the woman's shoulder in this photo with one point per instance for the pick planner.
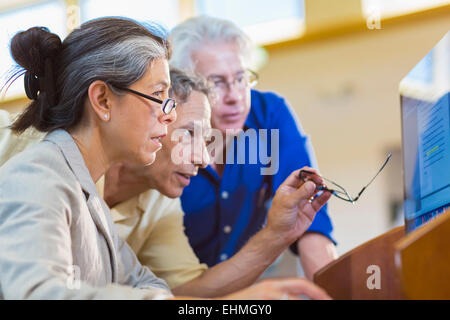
(41, 152)
(40, 166)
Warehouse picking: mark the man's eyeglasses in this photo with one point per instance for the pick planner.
(167, 105)
(339, 191)
(243, 80)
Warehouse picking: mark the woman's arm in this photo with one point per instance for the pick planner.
(36, 236)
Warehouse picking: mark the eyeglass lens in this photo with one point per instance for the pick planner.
(168, 106)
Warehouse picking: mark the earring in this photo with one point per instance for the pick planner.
(105, 116)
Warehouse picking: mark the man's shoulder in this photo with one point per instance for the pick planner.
(266, 108)
(154, 205)
(269, 99)
(143, 211)
(40, 174)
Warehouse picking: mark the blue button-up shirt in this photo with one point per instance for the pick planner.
(223, 213)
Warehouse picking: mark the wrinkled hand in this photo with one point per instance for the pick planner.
(292, 210)
(280, 289)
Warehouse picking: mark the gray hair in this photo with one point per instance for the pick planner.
(195, 32)
(182, 85)
(117, 51)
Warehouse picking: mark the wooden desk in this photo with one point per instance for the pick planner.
(416, 266)
(346, 278)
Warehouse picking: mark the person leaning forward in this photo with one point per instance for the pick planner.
(148, 213)
(70, 146)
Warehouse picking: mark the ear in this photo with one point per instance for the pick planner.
(101, 98)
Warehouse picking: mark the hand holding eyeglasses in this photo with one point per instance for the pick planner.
(295, 205)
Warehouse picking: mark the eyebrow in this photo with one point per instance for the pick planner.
(222, 76)
(165, 84)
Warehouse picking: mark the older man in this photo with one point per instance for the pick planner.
(228, 202)
(151, 222)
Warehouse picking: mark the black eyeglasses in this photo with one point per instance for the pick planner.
(167, 105)
(340, 192)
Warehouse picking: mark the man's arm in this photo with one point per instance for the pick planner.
(239, 271)
(168, 254)
(315, 251)
(290, 216)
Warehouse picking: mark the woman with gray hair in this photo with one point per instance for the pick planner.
(102, 97)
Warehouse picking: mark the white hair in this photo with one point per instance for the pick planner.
(197, 31)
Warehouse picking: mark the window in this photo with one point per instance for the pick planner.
(430, 77)
(265, 21)
(165, 13)
(389, 8)
(423, 71)
(50, 14)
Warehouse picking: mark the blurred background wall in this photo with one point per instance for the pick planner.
(338, 63)
(345, 91)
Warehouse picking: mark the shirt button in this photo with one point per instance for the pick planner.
(223, 256)
(227, 229)
(224, 195)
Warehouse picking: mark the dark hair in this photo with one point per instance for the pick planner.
(182, 85)
(58, 74)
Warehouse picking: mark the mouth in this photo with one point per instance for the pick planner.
(232, 116)
(185, 178)
(157, 141)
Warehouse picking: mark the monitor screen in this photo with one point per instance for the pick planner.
(425, 107)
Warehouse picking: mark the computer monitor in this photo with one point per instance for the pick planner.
(425, 109)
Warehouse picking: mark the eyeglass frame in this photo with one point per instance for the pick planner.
(232, 83)
(164, 103)
(337, 193)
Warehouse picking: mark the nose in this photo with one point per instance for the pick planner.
(167, 119)
(200, 155)
(233, 93)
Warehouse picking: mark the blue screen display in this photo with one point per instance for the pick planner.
(426, 158)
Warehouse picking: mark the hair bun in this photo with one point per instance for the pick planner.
(36, 50)
(31, 48)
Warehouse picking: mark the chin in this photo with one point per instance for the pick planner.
(172, 193)
(148, 159)
(237, 125)
(232, 127)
